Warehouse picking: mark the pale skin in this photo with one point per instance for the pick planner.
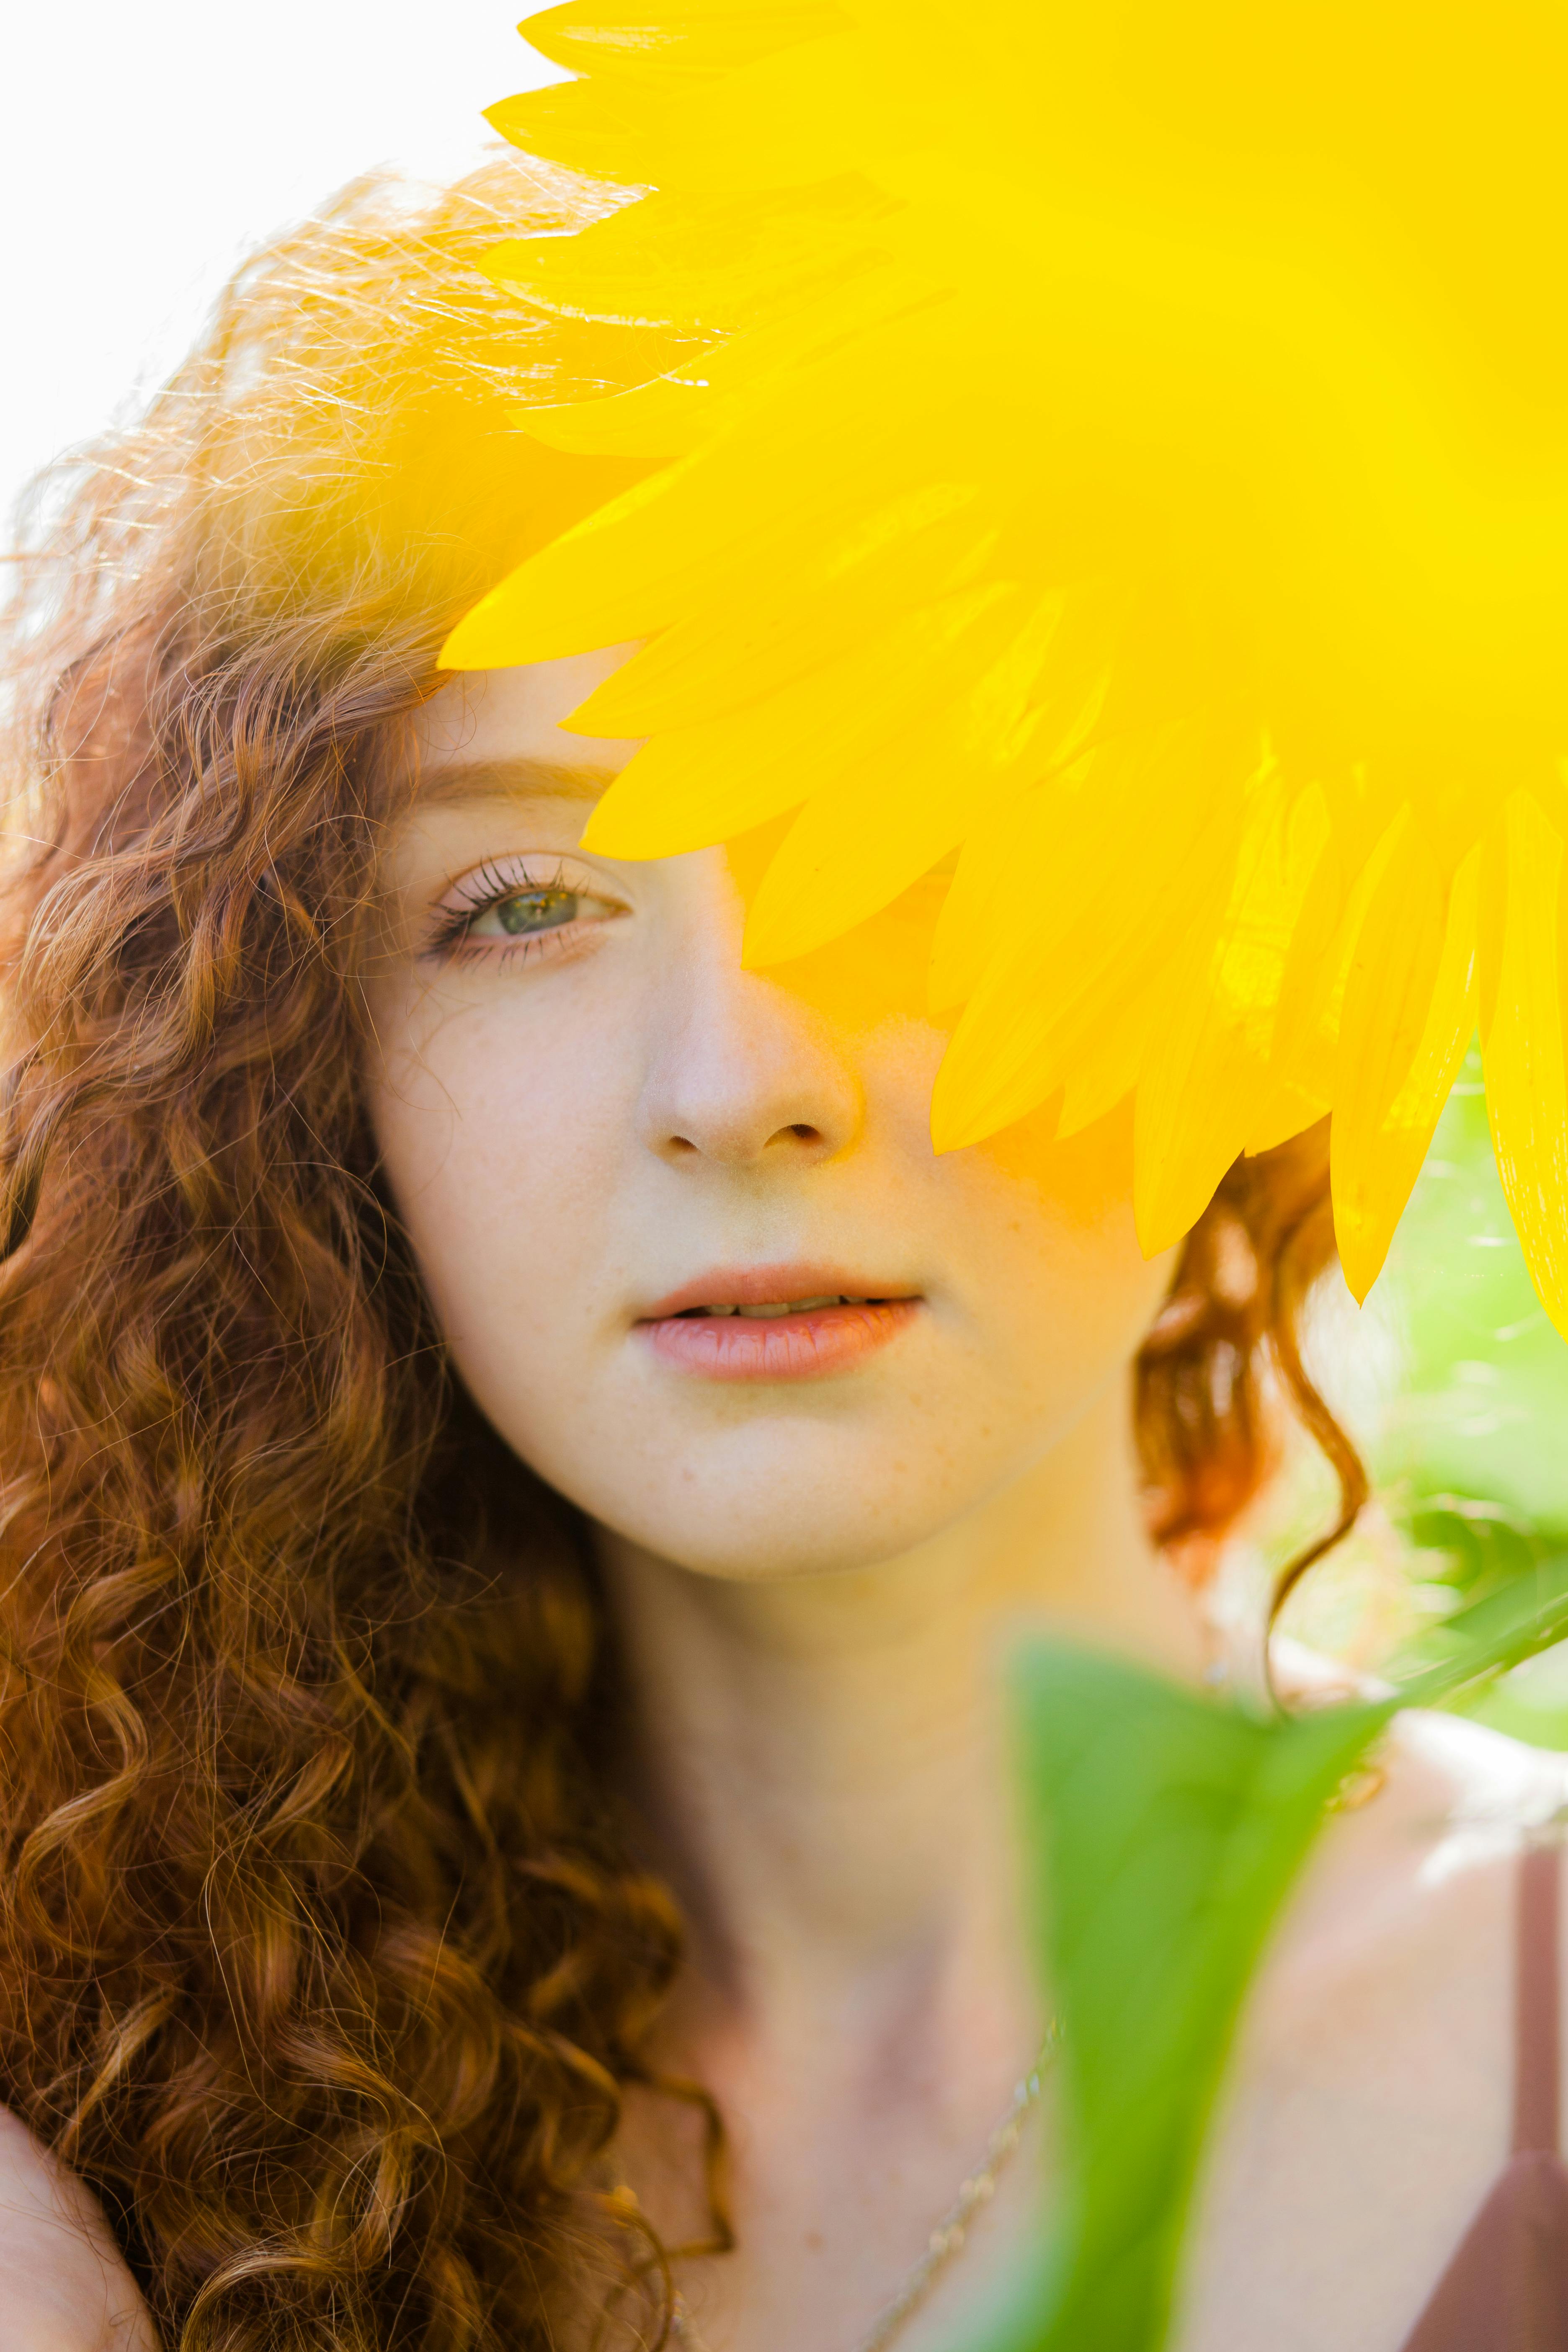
(586, 1108)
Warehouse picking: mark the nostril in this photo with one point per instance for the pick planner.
(741, 1148)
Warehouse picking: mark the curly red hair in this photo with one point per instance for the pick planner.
(322, 1956)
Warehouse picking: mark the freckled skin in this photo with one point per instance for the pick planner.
(574, 1135)
(66, 2288)
(570, 1136)
(573, 1127)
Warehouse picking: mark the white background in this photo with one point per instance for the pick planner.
(146, 145)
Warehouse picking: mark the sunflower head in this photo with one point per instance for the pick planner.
(1122, 453)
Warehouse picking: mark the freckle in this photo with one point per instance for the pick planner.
(813, 2242)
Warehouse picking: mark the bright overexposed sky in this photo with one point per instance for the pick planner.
(147, 147)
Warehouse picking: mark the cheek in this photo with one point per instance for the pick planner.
(874, 978)
(510, 1137)
(504, 1141)
(1084, 1180)
(1051, 1250)
(875, 973)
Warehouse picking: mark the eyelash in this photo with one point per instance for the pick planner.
(489, 886)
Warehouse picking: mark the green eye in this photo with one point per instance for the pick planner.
(494, 907)
(536, 910)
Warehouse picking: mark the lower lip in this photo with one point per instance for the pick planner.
(805, 1347)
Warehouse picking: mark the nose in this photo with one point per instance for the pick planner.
(743, 1073)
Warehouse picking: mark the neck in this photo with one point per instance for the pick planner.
(822, 1760)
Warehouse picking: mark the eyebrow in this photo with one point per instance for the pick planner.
(519, 779)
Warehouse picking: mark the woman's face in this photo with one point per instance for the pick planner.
(597, 1126)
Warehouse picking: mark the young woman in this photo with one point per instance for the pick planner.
(521, 1465)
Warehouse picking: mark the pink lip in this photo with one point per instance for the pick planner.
(782, 1348)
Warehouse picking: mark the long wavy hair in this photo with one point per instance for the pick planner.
(323, 1956)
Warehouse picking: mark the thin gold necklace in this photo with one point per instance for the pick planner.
(947, 2240)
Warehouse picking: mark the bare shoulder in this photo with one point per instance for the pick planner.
(1427, 1849)
(1370, 2106)
(66, 2287)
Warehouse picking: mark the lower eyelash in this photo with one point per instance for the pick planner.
(488, 887)
(494, 951)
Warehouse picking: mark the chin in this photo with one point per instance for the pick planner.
(792, 1516)
(766, 1554)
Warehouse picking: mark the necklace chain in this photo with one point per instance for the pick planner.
(947, 2240)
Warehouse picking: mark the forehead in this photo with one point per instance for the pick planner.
(487, 724)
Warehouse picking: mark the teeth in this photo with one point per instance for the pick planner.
(776, 1306)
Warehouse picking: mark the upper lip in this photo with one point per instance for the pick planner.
(762, 1285)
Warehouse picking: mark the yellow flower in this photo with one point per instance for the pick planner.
(1126, 446)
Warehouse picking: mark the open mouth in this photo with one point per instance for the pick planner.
(739, 1333)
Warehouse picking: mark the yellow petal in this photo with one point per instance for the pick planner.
(1297, 394)
(695, 38)
(1107, 866)
(1107, 1067)
(663, 419)
(1409, 1010)
(1208, 1075)
(1527, 1087)
(729, 657)
(1197, 1099)
(844, 858)
(692, 786)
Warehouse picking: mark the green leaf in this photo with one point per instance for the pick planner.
(1169, 1829)
(1483, 1389)
(1515, 1622)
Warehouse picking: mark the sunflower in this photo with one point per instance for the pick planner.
(1121, 452)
